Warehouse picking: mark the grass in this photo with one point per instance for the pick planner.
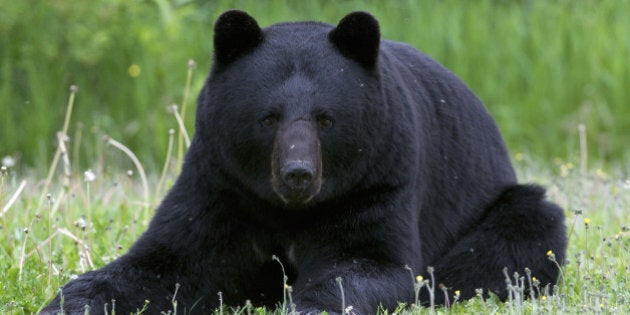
(542, 67)
(74, 221)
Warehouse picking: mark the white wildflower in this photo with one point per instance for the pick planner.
(89, 176)
(8, 161)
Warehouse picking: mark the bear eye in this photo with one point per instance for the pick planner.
(269, 121)
(324, 122)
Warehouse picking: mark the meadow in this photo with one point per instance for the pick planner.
(73, 73)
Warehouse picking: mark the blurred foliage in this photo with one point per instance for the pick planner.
(49, 45)
(541, 67)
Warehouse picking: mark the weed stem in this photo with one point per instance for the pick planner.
(136, 162)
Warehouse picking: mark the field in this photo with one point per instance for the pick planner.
(71, 202)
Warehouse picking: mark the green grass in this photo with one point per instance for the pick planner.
(542, 67)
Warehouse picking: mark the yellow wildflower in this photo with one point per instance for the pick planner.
(563, 171)
(133, 70)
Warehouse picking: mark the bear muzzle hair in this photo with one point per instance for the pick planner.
(296, 163)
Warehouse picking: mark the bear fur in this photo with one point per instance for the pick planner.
(354, 161)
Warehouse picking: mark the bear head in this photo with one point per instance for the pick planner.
(289, 113)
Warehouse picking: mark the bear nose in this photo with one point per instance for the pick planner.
(298, 175)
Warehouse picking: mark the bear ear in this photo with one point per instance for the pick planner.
(357, 36)
(235, 34)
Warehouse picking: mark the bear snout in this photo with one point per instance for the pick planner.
(298, 175)
(296, 164)
(297, 183)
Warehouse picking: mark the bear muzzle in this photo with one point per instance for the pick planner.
(296, 164)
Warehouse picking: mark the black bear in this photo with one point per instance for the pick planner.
(350, 159)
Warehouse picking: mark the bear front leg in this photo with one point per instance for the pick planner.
(358, 286)
(150, 276)
(113, 289)
(518, 231)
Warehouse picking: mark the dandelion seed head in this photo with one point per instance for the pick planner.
(80, 223)
(89, 176)
(8, 161)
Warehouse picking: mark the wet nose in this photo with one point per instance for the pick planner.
(298, 175)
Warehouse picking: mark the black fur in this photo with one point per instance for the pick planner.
(405, 168)
(357, 36)
(235, 34)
